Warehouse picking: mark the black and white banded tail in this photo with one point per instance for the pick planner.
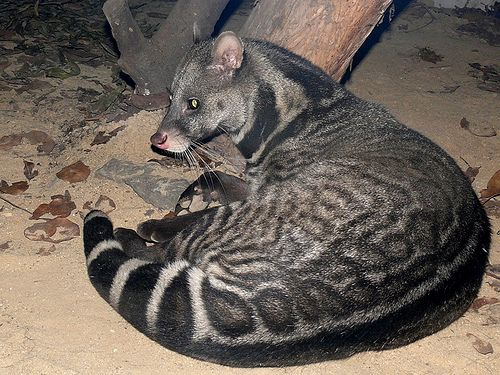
(153, 297)
(354, 232)
(178, 305)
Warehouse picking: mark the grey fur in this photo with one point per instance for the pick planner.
(357, 233)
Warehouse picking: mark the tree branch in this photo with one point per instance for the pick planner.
(151, 63)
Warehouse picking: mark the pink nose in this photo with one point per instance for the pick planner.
(158, 139)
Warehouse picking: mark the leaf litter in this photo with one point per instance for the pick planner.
(103, 203)
(59, 206)
(29, 170)
(15, 188)
(481, 346)
(102, 137)
(52, 41)
(5, 245)
(429, 55)
(492, 187)
(76, 172)
(44, 251)
(35, 137)
(493, 270)
(479, 130)
(483, 301)
(54, 230)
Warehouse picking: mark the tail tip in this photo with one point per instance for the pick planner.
(96, 228)
(93, 214)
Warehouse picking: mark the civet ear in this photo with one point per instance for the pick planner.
(227, 52)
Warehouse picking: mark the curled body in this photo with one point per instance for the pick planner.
(355, 233)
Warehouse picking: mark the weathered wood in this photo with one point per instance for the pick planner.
(327, 32)
(151, 63)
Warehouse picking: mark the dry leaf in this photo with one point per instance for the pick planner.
(55, 231)
(86, 208)
(170, 215)
(60, 206)
(115, 131)
(15, 189)
(492, 208)
(493, 186)
(105, 204)
(493, 270)
(495, 284)
(471, 173)
(46, 144)
(46, 251)
(87, 205)
(34, 84)
(102, 137)
(5, 245)
(481, 346)
(483, 301)
(29, 170)
(9, 141)
(479, 130)
(427, 54)
(75, 172)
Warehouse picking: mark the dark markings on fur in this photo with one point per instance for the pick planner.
(263, 125)
(355, 233)
(175, 322)
(136, 294)
(102, 271)
(276, 309)
(228, 312)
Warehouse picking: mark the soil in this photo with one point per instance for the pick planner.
(51, 319)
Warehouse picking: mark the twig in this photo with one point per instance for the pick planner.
(43, 96)
(108, 50)
(56, 3)
(487, 199)
(428, 23)
(465, 161)
(35, 9)
(16, 206)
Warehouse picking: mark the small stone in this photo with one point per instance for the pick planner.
(183, 212)
(197, 204)
(159, 191)
(184, 203)
(481, 346)
(214, 204)
(479, 130)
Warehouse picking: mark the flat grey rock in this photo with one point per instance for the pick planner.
(119, 170)
(160, 191)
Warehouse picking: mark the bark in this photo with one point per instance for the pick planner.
(151, 62)
(326, 32)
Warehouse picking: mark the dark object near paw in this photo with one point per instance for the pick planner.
(135, 246)
(164, 230)
(211, 188)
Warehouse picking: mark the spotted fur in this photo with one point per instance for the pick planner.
(357, 233)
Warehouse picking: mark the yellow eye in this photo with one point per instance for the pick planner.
(193, 103)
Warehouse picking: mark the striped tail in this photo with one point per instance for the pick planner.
(153, 297)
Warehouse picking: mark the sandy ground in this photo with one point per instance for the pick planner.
(53, 322)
